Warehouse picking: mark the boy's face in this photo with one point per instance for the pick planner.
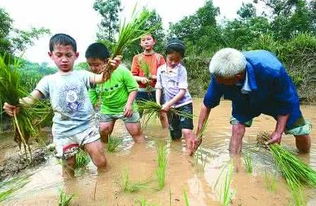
(64, 57)
(173, 59)
(147, 42)
(96, 65)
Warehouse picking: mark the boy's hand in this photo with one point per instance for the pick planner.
(128, 111)
(144, 80)
(165, 107)
(116, 61)
(10, 109)
(153, 77)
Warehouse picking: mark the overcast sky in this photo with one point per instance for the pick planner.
(80, 20)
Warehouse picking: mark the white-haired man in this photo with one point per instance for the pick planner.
(257, 83)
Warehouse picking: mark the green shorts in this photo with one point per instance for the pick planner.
(300, 127)
(112, 117)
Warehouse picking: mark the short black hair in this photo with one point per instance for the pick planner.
(149, 34)
(62, 39)
(98, 51)
(175, 45)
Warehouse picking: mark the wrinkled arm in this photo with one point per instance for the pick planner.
(204, 114)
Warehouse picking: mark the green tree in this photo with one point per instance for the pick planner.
(14, 40)
(199, 31)
(247, 11)
(290, 17)
(23, 39)
(5, 27)
(109, 26)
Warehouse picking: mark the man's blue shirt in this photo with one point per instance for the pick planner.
(272, 91)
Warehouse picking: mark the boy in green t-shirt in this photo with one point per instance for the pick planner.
(117, 95)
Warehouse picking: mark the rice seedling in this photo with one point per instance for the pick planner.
(270, 182)
(64, 199)
(7, 188)
(152, 109)
(186, 198)
(128, 33)
(113, 143)
(297, 196)
(161, 165)
(200, 158)
(248, 163)
(225, 193)
(82, 159)
(128, 186)
(144, 202)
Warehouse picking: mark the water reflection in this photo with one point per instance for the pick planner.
(196, 176)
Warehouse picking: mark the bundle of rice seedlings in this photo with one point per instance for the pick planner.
(152, 109)
(161, 165)
(128, 186)
(113, 143)
(7, 188)
(295, 171)
(146, 69)
(128, 33)
(248, 162)
(11, 90)
(82, 159)
(64, 199)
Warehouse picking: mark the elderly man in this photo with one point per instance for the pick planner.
(257, 83)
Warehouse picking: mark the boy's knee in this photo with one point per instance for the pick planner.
(70, 162)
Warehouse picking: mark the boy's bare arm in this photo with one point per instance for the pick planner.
(25, 101)
(128, 110)
(99, 78)
(31, 99)
(158, 96)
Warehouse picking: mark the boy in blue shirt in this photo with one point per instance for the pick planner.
(257, 83)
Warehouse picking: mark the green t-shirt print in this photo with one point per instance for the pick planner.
(114, 92)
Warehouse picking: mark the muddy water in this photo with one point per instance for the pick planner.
(197, 176)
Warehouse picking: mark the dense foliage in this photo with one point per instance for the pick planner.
(287, 28)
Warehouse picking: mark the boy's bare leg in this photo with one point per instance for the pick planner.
(303, 143)
(96, 151)
(135, 131)
(235, 145)
(106, 129)
(69, 167)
